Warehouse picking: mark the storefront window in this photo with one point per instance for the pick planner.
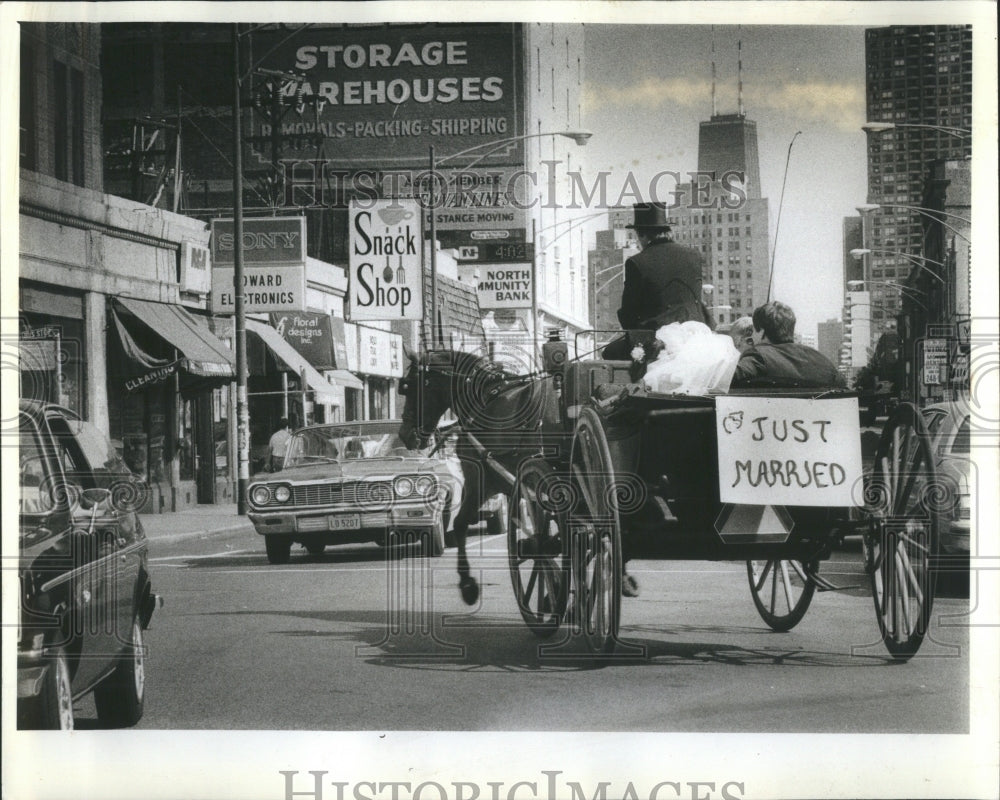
(378, 398)
(186, 439)
(52, 357)
(220, 422)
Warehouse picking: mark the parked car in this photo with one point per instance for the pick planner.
(354, 482)
(949, 427)
(85, 591)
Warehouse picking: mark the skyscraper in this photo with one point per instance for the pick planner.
(727, 143)
(919, 78)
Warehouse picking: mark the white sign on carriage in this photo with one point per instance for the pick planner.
(386, 247)
(789, 451)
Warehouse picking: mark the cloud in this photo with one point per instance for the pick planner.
(838, 104)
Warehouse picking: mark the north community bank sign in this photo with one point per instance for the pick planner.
(274, 258)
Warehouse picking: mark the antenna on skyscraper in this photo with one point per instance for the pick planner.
(713, 72)
(739, 72)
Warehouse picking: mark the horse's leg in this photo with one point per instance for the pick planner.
(468, 513)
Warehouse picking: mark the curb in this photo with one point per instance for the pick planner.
(246, 527)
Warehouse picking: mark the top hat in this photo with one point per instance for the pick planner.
(650, 215)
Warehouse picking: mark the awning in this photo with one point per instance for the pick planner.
(203, 354)
(292, 359)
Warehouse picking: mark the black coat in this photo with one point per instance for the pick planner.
(786, 365)
(662, 285)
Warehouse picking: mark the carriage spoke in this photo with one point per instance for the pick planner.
(587, 491)
(758, 585)
(903, 595)
(786, 583)
(909, 573)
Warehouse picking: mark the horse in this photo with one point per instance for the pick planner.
(501, 420)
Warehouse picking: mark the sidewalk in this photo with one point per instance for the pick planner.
(192, 523)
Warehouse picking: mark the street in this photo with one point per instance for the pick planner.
(316, 645)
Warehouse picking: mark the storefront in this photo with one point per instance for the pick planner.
(284, 384)
(168, 401)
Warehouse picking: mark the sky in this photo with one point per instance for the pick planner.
(648, 86)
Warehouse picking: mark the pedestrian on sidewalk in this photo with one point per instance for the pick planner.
(276, 447)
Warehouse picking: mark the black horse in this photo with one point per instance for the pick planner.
(502, 421)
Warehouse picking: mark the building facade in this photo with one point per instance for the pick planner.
(112, 312)
(918, 88)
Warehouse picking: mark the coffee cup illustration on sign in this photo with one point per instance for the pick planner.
(394, 213)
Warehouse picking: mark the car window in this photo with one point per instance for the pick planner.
(961, 443)
(345, 443)
(34, 498)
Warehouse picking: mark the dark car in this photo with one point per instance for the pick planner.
(354, 482)
(85, 592)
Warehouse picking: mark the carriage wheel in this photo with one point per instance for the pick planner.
(539, 570)
(781, 590)
(595, 536)
(901, 545)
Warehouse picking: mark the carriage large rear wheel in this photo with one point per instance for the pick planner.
(539, 565)
(901, 545)
(594, 531)
(782, 591)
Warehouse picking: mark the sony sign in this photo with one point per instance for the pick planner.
(386, 245)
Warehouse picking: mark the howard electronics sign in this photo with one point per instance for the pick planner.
(274, 259)
(379, 95)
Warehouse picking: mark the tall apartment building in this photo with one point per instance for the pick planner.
(829, 337)
(919, 78)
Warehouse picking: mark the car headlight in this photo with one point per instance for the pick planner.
(260, 495)
(282, 494)
(403, 487)
(425, 485)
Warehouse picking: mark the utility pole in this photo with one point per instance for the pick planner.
(242, 410)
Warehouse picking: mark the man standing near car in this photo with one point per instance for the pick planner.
(276, 447)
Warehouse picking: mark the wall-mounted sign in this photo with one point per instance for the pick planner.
(389, 91)
(505, 287)
(339, 330)
(385, 280)
(264, 289)
(310, 334)
(379, 352)
(788, 451)
(196, 264)
(267, 241)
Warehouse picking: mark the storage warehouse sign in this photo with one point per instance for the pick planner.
(274, 265)
(505, 287)
(386, 249)
(788, 451)
(385, 92)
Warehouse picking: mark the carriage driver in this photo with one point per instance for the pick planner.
(663, 283)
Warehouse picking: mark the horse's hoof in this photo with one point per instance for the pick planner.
(470, 590)
(630, 586)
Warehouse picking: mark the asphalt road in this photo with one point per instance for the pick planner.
(349, 641)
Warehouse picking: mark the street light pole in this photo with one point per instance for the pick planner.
(242, 410)
(434, 325)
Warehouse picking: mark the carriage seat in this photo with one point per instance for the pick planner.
(581, 378)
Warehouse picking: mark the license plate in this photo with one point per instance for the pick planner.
(348, 522)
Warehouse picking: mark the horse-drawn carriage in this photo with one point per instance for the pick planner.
(596, 467)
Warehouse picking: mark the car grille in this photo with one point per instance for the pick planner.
(363, 494)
